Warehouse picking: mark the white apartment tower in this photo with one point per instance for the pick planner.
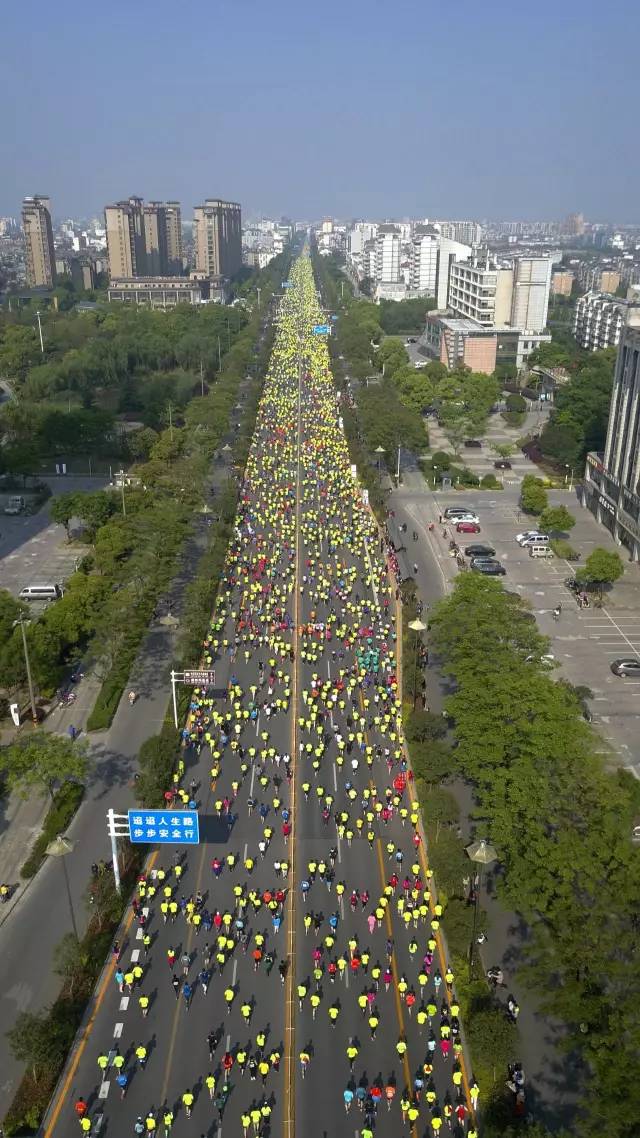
(423, 271)
(388, 253)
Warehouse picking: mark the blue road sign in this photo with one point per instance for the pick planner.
(320, 329)
(334, 318)
(287, 284)
(165, 827)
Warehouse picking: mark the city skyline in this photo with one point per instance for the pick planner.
(304, 125)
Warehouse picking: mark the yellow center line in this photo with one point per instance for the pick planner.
(289, 1031)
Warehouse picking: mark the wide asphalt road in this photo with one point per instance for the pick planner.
(305, 553)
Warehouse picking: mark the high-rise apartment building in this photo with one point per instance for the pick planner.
(423, 272)
(388, 253)
(126, 245)
(173, 225)
(562, 282)
(155, 239)
(612, 480)
(599, 320)
(530, 298)
(38, 242)
(466, 232)
(217, 238)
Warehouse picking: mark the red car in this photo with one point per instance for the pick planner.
(468, 527)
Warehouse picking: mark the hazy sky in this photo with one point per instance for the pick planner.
(351, 108)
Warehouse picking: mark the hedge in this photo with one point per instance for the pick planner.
(65, 804)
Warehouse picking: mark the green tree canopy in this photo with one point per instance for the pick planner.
(42, 760)
(557, 519)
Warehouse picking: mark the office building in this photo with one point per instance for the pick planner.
(598, 320)
(166, 292)
(456, 342)
(515, 294)
(126, 246)
(217, 238)
(423, 273)
(40, 260)
(449, 251)
(574, 225)
(612, 479)
(481, 290)
(388, 254)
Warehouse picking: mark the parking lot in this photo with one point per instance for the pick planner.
(584, 642)
(33, 550)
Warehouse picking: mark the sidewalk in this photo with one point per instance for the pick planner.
(21, 819)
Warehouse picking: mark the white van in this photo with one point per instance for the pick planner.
(537, 549)
(41, 593)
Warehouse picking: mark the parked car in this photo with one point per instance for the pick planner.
(479, 550)
(472, 443)
(452, 511)
(531, 535)
(488, 566)
(468, 527)
(502, 464)
(457, 518)
(629, 666)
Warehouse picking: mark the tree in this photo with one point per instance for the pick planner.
(563, 442)
(503, 450)
(40, 1041)
(21, 457)
(63, 508)
(533, 496)
(10, 610)
(602, 567)
(556, 519)
(516, 402)
(392, 355)
(141, 442)
(43, 760)
(70, 960)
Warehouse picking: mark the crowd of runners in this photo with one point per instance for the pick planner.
(307, 739)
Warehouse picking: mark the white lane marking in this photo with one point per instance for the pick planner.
(117, 1031)
(135, 955)
(124, 1003)
(104, 1089)
(235, 973)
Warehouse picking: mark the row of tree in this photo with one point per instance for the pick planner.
(561, 823)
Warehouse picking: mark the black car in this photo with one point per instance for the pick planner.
(479, 551)
(488, 566)
(502, 464)
(472, 443)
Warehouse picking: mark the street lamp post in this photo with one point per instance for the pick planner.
(32, 699)
(398, 466)
(40, 331)
(482, 853)
(379, 451)
(570, 468)
(59, 848)
(417, 626)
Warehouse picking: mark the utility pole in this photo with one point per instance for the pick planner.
(34, 714)
(219, 355)
(170, 409)
(40, 331)
(124, 504)
(201, 379)
(258, 290)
